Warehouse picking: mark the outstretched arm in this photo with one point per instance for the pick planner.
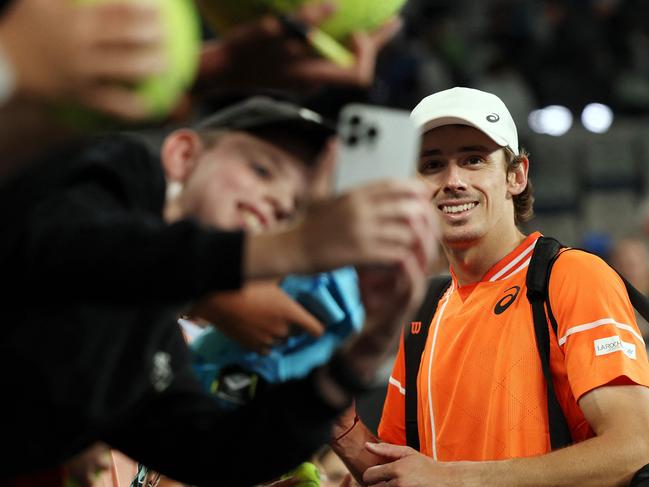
(619, 415)
(261, 53)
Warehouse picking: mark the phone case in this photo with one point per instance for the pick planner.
(376, 143)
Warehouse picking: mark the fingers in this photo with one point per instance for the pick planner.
(282, 312)
(115, 100)
(412, 285)
(365, 47)
(424, 226)
(120, 42)
(382, 474)
(401, 216)
(322, 177)
(132, 23)
(315, 13)
(317, 69)
(406, 218)
(389, 472)
(347, 481)
(389, 451)
(386, 32)
(376, 224)
(299, 316)
(125, 63)
(377, 475)
(399, 188)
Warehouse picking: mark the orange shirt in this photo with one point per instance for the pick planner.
(481, 389)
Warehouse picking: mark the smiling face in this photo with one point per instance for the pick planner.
(472, 191)
(240, 182)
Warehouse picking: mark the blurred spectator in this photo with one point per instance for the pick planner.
(54, 51)
(102, 345)
(630, 257)
(598, 243)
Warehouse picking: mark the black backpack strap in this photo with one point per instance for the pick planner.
(414, 341)
(641, 478)
(538, 276)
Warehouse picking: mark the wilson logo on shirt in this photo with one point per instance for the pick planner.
(604, 346)
(415, 327)
(506, 301)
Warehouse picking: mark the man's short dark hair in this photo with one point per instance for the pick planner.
(523, 202)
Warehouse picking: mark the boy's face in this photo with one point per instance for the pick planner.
(245, 182)
(472, 192)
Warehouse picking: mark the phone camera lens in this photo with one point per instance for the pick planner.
(372, 132)
(355, 120)
(352, 140)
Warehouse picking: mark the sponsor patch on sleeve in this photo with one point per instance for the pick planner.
(604, 346)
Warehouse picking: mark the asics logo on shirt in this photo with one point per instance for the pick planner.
(505, 302)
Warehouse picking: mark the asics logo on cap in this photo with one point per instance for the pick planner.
(493, 118)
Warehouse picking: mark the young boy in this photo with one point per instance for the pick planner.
(102, 343)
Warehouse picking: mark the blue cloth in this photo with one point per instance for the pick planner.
(332, 297)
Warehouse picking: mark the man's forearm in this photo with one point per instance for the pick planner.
(607, 460)
(350, 447)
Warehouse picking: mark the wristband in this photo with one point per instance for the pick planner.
(356, 420)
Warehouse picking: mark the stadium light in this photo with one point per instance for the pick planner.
(553, 120)
(597, 117)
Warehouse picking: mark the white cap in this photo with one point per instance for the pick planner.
(467, 106)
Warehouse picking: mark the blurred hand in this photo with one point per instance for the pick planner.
(321, 177)
(258, 317)
(385, 223)
(347, 481)
(88, 54)
(391, 294)
(262, 54)
(87, 465)
(382, 223)
(404, 466)
(391, 297)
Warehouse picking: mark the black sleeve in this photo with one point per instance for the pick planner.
(184, 435)
(97, 232)
(123, 258)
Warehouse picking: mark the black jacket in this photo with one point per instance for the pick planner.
(90, 349)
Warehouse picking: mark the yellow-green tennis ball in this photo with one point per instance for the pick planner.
(355, 15)
(350, 16)
(307, 473)
(182, 42)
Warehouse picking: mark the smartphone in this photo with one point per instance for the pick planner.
(375, 143)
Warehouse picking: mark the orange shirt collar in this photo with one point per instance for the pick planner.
(508, 264)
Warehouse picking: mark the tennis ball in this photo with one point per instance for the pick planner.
(350, 16)
(181, 45)
(307, 473)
